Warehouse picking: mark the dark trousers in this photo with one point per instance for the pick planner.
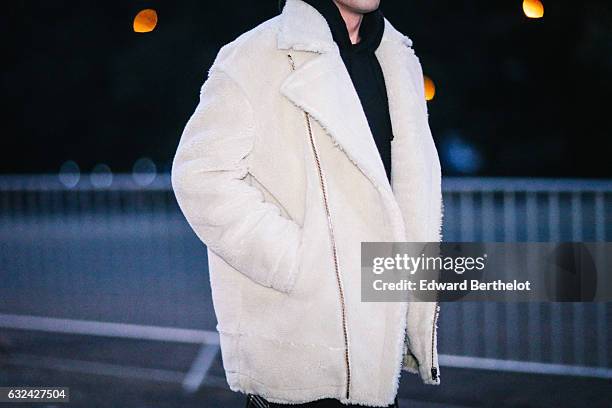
(255, 401)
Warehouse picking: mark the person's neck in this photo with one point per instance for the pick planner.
(352, 20)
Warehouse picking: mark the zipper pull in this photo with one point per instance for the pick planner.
(434, 373)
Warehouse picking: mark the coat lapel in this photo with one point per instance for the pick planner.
(323, 88)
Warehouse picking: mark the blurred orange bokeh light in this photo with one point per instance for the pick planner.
(533, 8)
(430, 88)
(145, 21)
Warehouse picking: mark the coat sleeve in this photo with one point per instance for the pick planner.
(421, 351)
(436, 206)
(209, 180)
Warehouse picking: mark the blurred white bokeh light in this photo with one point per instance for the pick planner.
(69, 174)
(144, 171)
(101, 176)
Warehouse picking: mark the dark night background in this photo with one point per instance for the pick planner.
(515, 97)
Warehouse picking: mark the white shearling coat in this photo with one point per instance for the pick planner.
(285, 273)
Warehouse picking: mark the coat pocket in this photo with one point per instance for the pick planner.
(268, 195)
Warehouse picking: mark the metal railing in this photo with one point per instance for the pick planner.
(95, 258)
(568, 338)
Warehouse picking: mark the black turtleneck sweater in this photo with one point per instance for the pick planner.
(364, 70)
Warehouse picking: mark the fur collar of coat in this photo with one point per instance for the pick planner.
(284, 253)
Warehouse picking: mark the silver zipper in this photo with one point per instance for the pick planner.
(434, 369)
(333, 244)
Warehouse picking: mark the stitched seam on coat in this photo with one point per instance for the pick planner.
(285, 388)
(226, 333)
(250, 130)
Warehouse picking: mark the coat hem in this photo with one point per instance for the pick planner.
(296, 396)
